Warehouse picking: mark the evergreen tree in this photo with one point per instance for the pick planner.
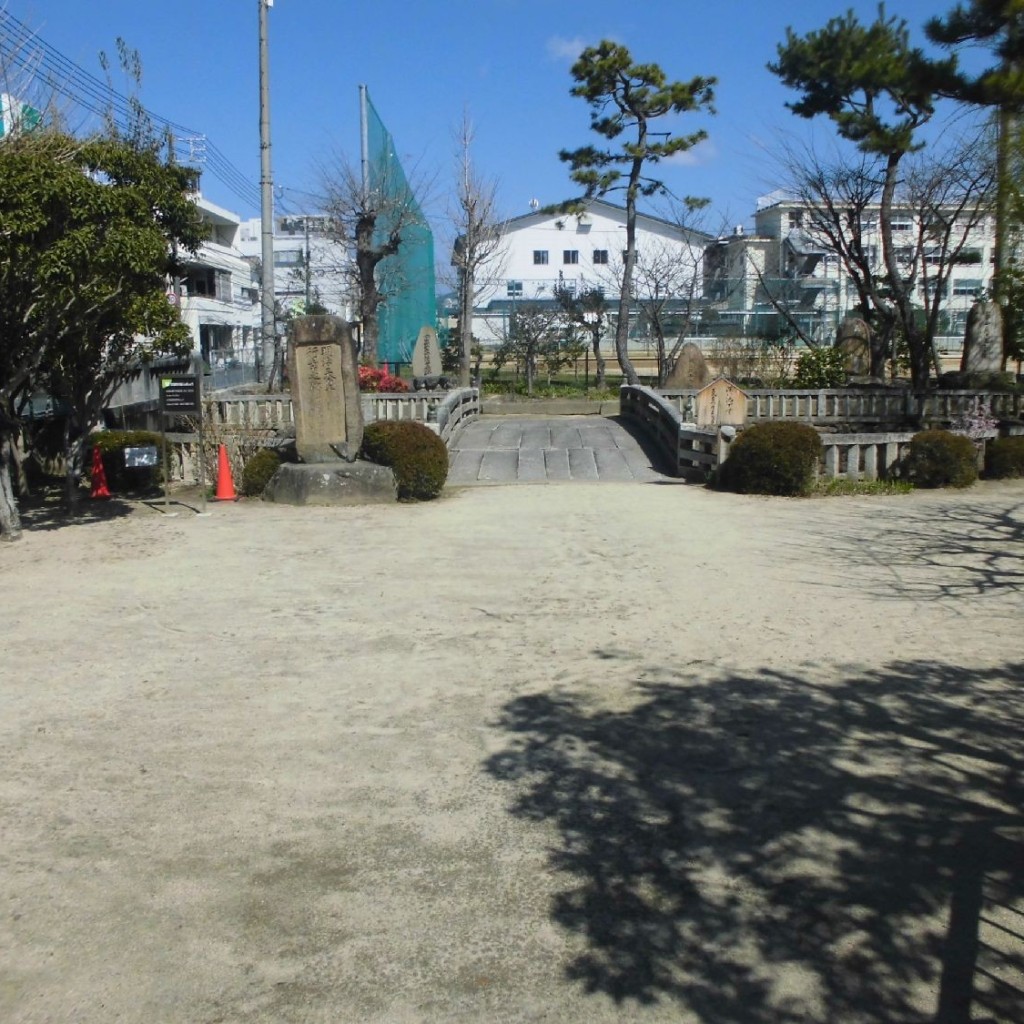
(997, 25)
(877, 90)
(625, 98)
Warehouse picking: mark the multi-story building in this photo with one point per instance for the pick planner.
(787, 263)
(310, 265)
(542, 252)
(219, 297)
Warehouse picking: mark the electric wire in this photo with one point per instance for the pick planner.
(33, 56)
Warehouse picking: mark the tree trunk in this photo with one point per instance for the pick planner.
(72, 464)
(598, 358)
(10, 520)
(465, 328)
(626, 295)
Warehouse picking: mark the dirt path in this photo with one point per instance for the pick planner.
(567, 753)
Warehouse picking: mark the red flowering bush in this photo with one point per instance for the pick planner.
(372, 379)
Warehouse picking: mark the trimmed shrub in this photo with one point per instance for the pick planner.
(772, 458)
(258, 471)
(939, 458)
(112, 444)
(416, 455)
(1004, 458)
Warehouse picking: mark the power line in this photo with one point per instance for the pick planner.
(33, 56)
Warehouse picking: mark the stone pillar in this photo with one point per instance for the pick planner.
(325, 390)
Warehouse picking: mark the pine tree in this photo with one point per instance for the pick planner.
(625, 98)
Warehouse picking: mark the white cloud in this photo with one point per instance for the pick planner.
(565, 49)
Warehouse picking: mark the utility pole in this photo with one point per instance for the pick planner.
(268, 332)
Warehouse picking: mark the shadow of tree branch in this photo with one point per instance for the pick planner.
(768, 848)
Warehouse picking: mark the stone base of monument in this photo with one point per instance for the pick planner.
(332, 483)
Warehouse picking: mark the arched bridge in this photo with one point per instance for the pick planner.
(517, 449)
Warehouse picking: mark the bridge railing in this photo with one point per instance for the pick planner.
(693, 452)
(859, 405)
(689, 451)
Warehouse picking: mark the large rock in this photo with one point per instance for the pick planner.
(983, 342)
(853, 339)
(332, 483)
(325, 389)
(690, 370)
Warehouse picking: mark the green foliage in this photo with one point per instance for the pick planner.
(939, 458)
(1004, 458)
(416, 455)
(112, 444)
(772, 458)
(624, 95)
(258, 470)
(844, 487)
(820, 368)
(867, 79)
(994, 25)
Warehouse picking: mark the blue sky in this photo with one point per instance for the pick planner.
(504, 62)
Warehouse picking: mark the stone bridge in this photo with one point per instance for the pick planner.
(517, 449)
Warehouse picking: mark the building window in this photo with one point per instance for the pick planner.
(967, 286)
(514, 289)
(901, 225)
(540, 257)
(796, 218)
(570, 255)
(600, 255)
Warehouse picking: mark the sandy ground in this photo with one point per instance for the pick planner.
(609, 752)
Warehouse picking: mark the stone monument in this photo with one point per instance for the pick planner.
(426, 356)
(721, 403)
(853, 339)
(325, 390)
(983, 341)
(328, 423)
(690, 370)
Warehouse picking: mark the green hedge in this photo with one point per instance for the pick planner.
(939, 458)
(1004, 458)
(772, 458)
(416, 455)
(258, 470)
(111, 444)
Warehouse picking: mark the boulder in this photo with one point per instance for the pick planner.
(332, 483)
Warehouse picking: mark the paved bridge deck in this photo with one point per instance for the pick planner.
(509, 450)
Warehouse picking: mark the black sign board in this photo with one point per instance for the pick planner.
(179, 394)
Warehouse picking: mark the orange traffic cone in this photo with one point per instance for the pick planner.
(99, 476)
(225, 485)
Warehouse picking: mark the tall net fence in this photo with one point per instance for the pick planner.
(407, 277)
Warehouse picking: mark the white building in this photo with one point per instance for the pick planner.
(542, 252)
(308, 262)
(787, 260)
(220, 299)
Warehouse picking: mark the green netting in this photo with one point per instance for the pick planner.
(407, 278)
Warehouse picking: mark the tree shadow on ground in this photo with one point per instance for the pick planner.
(767, 848)
(50, 512)
(960, 550)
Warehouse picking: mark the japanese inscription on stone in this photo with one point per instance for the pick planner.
(328, 420)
